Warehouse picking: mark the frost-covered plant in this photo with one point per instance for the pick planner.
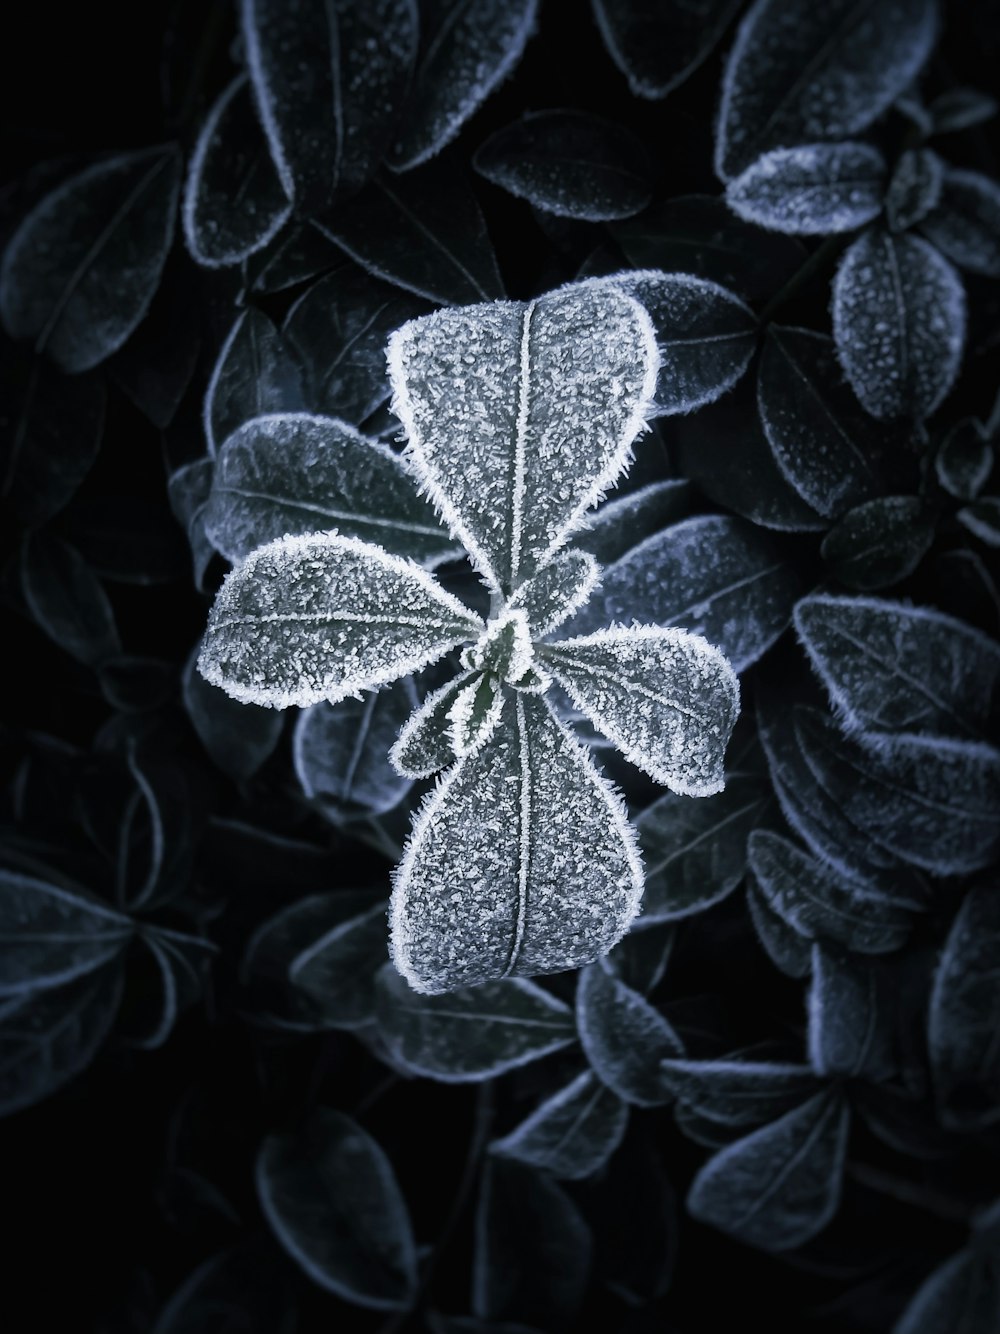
(519, 417)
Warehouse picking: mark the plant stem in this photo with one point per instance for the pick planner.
(911, 1192)
(819, 257)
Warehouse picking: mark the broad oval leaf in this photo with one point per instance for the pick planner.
(572, 1134)
(465, 52)
(658, 46)
(67, 601)
(914, 190)
(965, 1288)
(256, 373)
(424, 232)
(50, 935)
(569, 163)
(332, 1198)
(850, 1018)
(879, 543)
(890, 667)
(292, 473)
(234, 203)
(738, 1092)
(80, 272)
(695, 851)
(622, 522)
(827, 447)
(322, 617)
(340, 752)
(799, 72)
(536, 846)
(714, 575)
(705, 335)
(965, 1016)
(238, 737)
(329, 80)
(779, 1186)
(966, 222)
(899, 323)
(623, 1037)
(496, 401)
(666, 698)
(473, 1033)
(811, 190)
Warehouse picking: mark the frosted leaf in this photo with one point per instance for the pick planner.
(735, 1090)
(851, 1018)
(569, 163)
(714, 575)
(559, 589)
(521, 861)
(623, 1037)
(239, 738)
(779, 1186)
(474, 714)
(961, 108)
(329, 80)
(79, 273)
(256, 373)
(294, 473)
(915, 188)
(819, 903)
(705, 335)
(896, 668)
(466, 51)
(424, 744)
(572, 1134)
(982, 519)
(498, 400)
(812, 190)
(339, 752)
(966, 222)
(966, 1287)
(504, 648)
(473, 1033)
(666, 698)
(622, 522)
(801, 72)
(790, 953)
(658, 46)
(880, 542)
(899, 323)
(233, 200)
(323, 617)
(965, 460)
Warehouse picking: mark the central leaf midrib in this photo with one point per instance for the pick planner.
(310, 507)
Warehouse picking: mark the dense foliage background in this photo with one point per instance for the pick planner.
(171, 1068)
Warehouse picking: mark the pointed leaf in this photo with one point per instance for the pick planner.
(323, 617)
(293, 473)
(332, 1198)
(79, 273)
(623, 1037)
(850, 1018)
(496, 401)
(779, 1186)
(962, 1295)
(475, 714)
(966, 222)
(569, 163)
(424, 744)
(340, 752)
(559, 589)
(570, 1135)
(666, 698)
(534, 844)
(799, 73)
(915, 188)
(880, 542)
(255, 374)
(465, 53)
(715, 575)
(475, 1032)
(233, 200)
(894, 668)
(657, 47)
(329, 82)
(812, 190)
(738, 1092)
(899, 324)
(67, 601)
(965, 1016)
(239, 738)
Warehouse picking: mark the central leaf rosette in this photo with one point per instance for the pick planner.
(522, 860)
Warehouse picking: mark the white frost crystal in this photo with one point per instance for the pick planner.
(522, 860)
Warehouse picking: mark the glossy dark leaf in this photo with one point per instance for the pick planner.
(329, 81)
(812, 190)
(787, 950)
(66, 600)
(240, 1287)
(256, 373)
(472, 1033)
(899, 323)
(965, 460)
(965, 225)
(640, 959)
(896, 668)
(779, 1186)
(337, 970)
(880, 542)
(622, 522)
(850, 1018)
(982, 519)
(960, 108)
(238, 737)
(572, 1134)
(965, 1016)
(332, 1198)
(188, 489)
(569, 163)
(799, 73)
(81, 270)
(623, 1037)
(297, 255)
(739, 1091)
(532, 1248)
(915, 188)
(424, 232)
(465, 53)
(658, 46)
(962, 1294)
